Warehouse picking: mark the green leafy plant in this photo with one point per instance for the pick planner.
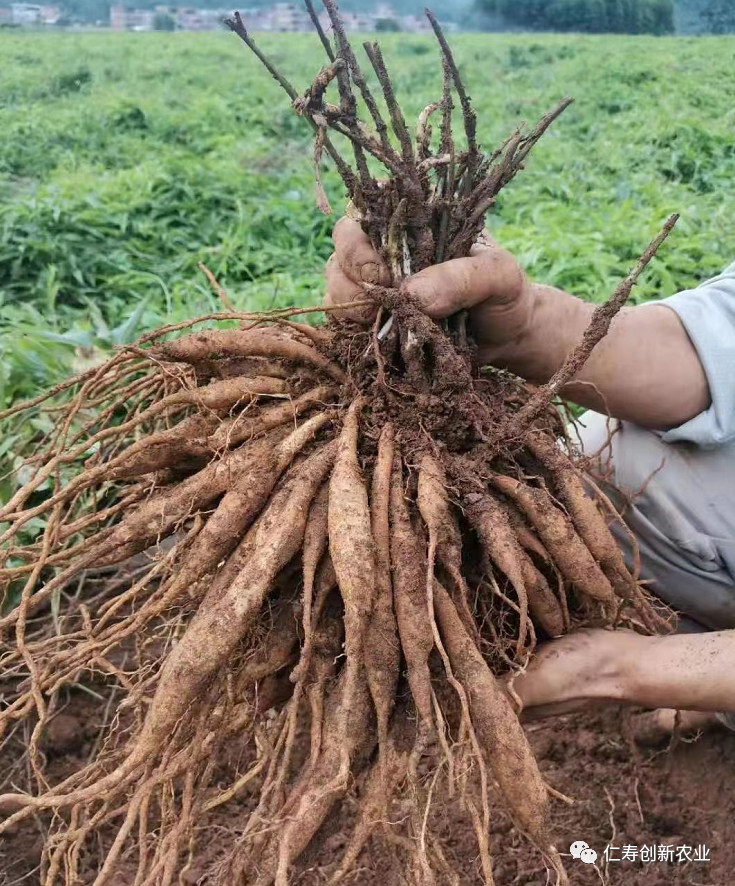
(125, 160)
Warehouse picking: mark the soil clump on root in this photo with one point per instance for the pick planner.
(352, 535)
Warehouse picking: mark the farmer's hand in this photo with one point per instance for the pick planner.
(686, 672)
(489, 284)
(531, 328)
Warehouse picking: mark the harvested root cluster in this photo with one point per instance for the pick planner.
(300, 560)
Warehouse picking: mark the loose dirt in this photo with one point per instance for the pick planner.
(623, 796)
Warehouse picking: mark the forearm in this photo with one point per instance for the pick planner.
(646, 370)
(692, 672)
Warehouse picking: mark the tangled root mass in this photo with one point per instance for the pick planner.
(323, 548)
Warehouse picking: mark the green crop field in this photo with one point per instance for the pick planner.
(127, 159)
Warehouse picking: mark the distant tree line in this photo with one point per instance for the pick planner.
(586, 16)
(705, 16)
(719, 16)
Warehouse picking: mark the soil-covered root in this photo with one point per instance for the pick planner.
(273, 651)
(221, 395)
(221, 624)
(296, 553)
(585, 514)
(188, 443)
(216, 629)
(500, 545)
(329, 781)
(204, 347)
(255, 467)
(592, 527)
(313, 550)
(408, 559)
(244, 502)
(433, 505)
(351, 543)
(217, 396)
(545, 608)
(316, 542)
(445, 536)
(319, 786)
(381, 784)
(246, 426)
(499, 731)
(384, 655)
(560, 537)
(153, 520)
(184, 446)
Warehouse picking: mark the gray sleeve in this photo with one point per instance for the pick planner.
(708, 315)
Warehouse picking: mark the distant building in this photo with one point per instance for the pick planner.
(33, 14)
(50, 14)
(289, 17)
(189, 19)
(260, 19)
(418, 24)
(5, 15)
(140, 19)
(362, 22)
(118, 18)
(358, 21)
(124, 19)
(25, 14)
(280, 17)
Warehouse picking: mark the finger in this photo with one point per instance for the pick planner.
(489, 273)
(355, 253)
(343, 291)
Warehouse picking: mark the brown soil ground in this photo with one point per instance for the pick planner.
(622, 796)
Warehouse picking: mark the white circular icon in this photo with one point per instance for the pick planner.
(588, 856)
(577, 848)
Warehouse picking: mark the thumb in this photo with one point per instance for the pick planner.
(489, 274)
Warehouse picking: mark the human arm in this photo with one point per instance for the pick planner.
(687, 672)
(646, 370)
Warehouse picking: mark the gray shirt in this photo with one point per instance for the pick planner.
(708, 315)
(679, 486)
